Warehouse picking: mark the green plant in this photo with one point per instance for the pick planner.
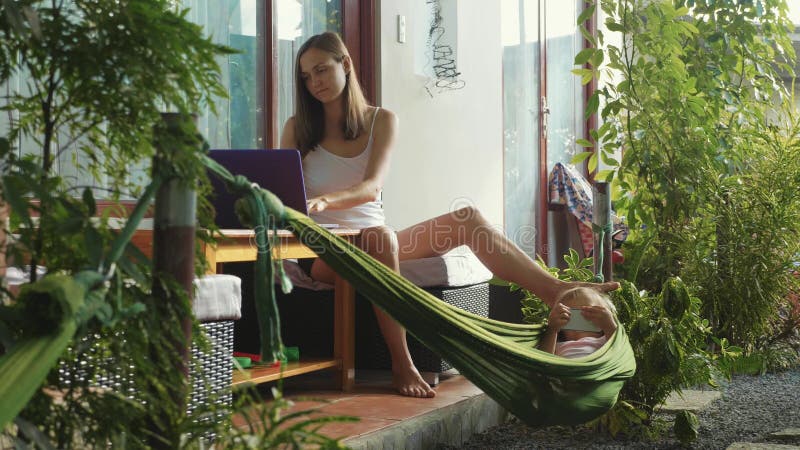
(95, 76)
(272, 427)
(668, 337)
(744, 271)
(670, 347)
(694, 102)
(686, 425)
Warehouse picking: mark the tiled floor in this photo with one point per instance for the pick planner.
(373, 401)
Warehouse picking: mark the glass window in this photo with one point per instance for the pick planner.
(537, 113)
(520, 28)
(296, 21)
(233, 23)
(565, 122)
(241, 120)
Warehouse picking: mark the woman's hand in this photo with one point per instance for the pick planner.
(317, 204)
(601, 317)
(559, 316)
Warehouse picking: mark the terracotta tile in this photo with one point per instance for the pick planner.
(345, 430)
(301, 395)
(375, 403)
(388, 406)
(460, 386)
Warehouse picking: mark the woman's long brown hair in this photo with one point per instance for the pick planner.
(309, 118)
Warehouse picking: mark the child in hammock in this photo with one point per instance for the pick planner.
(581, 337)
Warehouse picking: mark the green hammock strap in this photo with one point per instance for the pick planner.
(601, 231)
(260, 210)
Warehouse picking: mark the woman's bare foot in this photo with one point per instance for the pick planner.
(409, 382)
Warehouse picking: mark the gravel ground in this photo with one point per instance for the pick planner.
(750, 409)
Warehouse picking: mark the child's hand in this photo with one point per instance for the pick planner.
(559, 316)
(601, 317)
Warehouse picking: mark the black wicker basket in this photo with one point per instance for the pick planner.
(211, 373)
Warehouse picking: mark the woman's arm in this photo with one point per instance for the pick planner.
(383, 140)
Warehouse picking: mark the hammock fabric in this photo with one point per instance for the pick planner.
(500, 358)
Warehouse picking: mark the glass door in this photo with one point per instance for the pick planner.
(564, 91)
(233, 23)
(521, 121)
(295, 21)
(542, 114)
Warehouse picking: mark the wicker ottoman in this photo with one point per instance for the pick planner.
(217, 305)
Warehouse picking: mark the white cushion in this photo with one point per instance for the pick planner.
(459, 267)
(217, 297)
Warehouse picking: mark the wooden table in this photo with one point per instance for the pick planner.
(239, 246)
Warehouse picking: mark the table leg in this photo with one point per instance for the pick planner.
(344, 339)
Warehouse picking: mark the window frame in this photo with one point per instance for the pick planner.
(358, 34)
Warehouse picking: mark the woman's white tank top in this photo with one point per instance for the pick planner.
(325, 172)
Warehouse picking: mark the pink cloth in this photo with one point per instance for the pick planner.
(581, 347)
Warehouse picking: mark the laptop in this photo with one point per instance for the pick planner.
(279, 171)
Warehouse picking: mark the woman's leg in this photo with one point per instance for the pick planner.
(381, 244)
(467, 226)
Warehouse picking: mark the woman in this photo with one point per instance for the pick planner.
(346, 146)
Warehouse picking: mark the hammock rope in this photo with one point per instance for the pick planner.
(260, 210)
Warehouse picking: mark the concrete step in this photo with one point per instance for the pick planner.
(787, 436)
(760, 446)
(689, 400)
(452, 425)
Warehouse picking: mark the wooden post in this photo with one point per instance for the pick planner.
(173, 251)
(601, 216)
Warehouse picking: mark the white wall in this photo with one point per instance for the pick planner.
(450, 148)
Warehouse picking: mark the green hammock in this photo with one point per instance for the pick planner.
(500, 358)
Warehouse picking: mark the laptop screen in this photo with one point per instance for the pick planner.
(279, 171)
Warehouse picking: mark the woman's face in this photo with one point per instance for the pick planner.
(324, 77)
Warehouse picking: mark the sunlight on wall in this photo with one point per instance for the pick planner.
(794, 10)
